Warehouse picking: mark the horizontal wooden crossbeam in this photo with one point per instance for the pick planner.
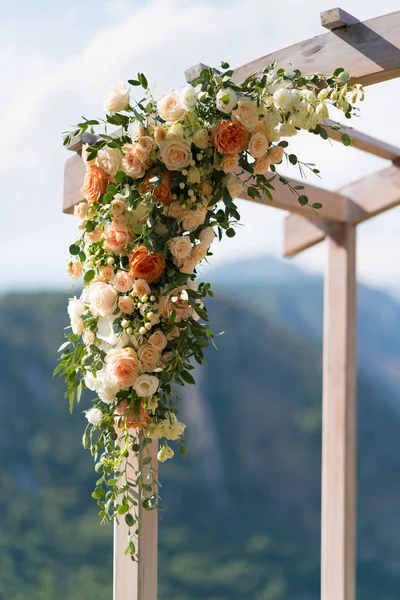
(369, 51)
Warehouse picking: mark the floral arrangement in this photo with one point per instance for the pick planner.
(157, 193)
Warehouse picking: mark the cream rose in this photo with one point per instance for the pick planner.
(201, 139)
(126, 304)
(122, 366)
(159, 134)
(207, 236)
(180, 247)
(109, 159)
(102, 298)
(192, 219)
(131, 163)
(175, 153)
(258, 145)
(93, 236)
(117, 98)
(146, 385)
(106, 273)
(123, 281)
(174, 210)
(169, 107)
(158, 340)
(117, 237)
(246, 114)
(230, 163)
(143, 147)
(77, 326)
(149, 357)
(173, 333)
(187, 266)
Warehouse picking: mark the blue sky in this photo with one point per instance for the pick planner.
(57, 59)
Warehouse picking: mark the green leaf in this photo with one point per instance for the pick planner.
(186, 376)
(146, 460)
(323, 134)
(89, 275)
(293, 159)
(224, 65)
(133, 81)
(343, 77)
(303, 200)
(121, 510)
(346, 139)
(74, 249)
(337, 71)
(317, 205)
(143, 81)
(98, 493)
(129, 520)
(230, 233)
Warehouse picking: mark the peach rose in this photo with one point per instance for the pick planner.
(102, 299)
(94, 236)
(234, 185)
(146, 265)
(131, 164)
(199, 252)
(123, 281)
(246, 114)
(109, 159)
(106, 273)
(192, 219)
(158, 340)
(95, 183)
(141, 287)
(261, 165)
(144, 145)
(126, 304)
(230, 163)
(170, 108)
(126, 416)
(258, 145)
(163, 191)
(173, 333)
(187, 266)
(122, 366)
(180, 247)
(229, 138)
(75, 269)
(118, 237)
(149, 357)
(118, 207)
(175, 153)
(275, 154)
(175, 210)
(176, 300)
(159, 134)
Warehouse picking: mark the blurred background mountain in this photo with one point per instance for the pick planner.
(243, 510)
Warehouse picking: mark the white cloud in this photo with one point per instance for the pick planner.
(91, 46)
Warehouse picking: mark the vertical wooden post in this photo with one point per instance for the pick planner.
(338, 571)
(137, 580)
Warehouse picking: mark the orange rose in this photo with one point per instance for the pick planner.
(126, 417)
(229, 138)
(146, 265)
(161, 192)
(95, 183)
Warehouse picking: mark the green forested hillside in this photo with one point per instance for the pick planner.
(242, 512)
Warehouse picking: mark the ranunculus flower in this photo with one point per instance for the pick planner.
(162, 192)
(188, 97)
(75, 269)
(180, 247)
(131, 163)
(207, 236)
(122, 366)
(146, 265)
(141, 287)
(109, 159)
(275, 154)
(169, 107)
(158, 340)
(95, 183)
(102, 298)
(258, 145)
(229, 137)
(246, 114)
(126, 304)
(175, 153)
(230, 163)
(117, 98)
(146, 385)
(192, 219)
(226, 100)
(94, 416)
(126, 416)
(117, 237)
(123, 281)
(149, 357)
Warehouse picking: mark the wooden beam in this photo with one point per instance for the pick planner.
(337, 17)
(362, 141)
(368, 197)
(137, 580)
(339, 417)
(369, 51)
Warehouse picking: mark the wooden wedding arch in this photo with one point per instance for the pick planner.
(370, 52)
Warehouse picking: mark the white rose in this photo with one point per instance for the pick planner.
(76, 308)
(165, 453)
(201, 139)
(102, 298)
(226, 100)
(207, 236)
(180, 247)
(117, 98)
(282, 98)
(192, 219)
(109, 159)
(170, 108)
(108, 393)
(146, 385)
(188, 97)
(94, 416)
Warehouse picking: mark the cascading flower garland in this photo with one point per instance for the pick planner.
(157, 193)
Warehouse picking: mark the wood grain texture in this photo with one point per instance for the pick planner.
(137, 580)
(369, 51)
(301, 233)
(337, 17)
(339, 417)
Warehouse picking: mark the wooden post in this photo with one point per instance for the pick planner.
(137, 580)
(339, 417)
